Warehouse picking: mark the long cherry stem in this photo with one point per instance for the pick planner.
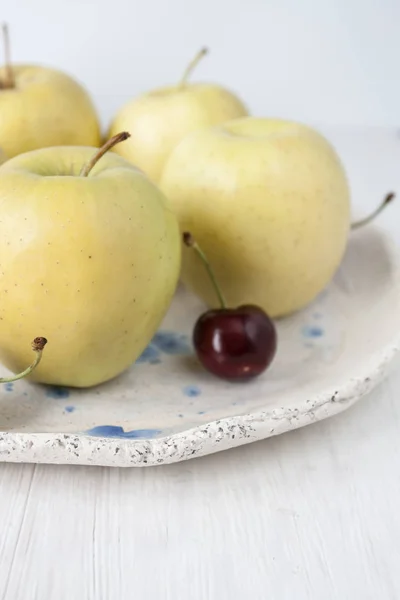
(9, 81)
(37, 346)
(192, 65)
(189, 241)
(116, 139)
(387, 200)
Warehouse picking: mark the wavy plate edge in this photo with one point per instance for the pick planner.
(215, 436)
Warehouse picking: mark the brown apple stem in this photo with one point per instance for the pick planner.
(192, 65)
(8, 81)
(37, 346)
(116, 139)
(190, 242)
(387, 200)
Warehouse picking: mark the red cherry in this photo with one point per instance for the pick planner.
(233, 343)
(236, 344)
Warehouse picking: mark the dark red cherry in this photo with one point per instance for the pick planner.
(233, 343)
(237, 343)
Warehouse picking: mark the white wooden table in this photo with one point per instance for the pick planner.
(310, 515)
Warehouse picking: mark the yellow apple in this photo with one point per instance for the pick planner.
(158, 120)
(42, 107)
(45, 108)
(89, 259)
(268, 202)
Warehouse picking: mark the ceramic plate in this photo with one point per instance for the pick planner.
(167, 409)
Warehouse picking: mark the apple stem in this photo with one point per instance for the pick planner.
(116, 139)
(190, 242)
(37, 346)
(192, 65)
(387, 200)
(9, 81)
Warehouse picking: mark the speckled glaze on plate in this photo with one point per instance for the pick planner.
(167, 409)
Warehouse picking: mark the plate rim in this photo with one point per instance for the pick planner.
(83, 449)
(212, 436)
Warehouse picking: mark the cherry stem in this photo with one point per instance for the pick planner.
(9, 81)
(116, 139)
(190, 242)
(387, 200)
(37, 346)
(192, 65)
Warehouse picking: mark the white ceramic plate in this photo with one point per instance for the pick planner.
(167, 409)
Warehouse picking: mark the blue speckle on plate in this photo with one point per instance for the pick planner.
(114, 431)
(69, 409)
(191, 391)
(9, 387)
(149, 355)
(171, 342)
(201, 412)
(313, 331)
(56, 392)
(180, 416)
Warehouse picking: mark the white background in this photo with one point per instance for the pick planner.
(310, 515)
(319, 61)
